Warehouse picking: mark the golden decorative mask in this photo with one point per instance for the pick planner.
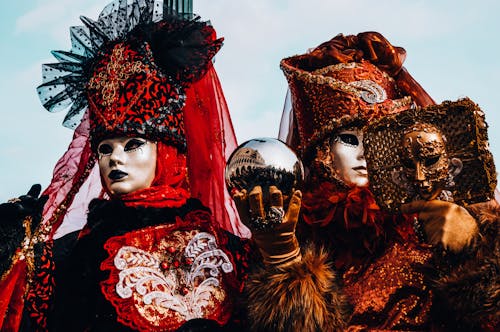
(425, 160)
(437, 152)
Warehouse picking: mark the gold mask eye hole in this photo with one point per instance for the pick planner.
(431, 161)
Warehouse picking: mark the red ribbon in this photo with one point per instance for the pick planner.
(357, 205)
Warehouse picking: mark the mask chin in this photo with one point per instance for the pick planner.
(432, 193)
(361, 182)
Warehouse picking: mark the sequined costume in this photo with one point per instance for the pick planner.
(363, 269)
(160, 258)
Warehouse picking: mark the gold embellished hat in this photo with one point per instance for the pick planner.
(345, 81)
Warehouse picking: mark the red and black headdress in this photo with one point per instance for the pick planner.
(130, 74)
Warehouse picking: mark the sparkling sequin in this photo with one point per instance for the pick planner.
(391, 293)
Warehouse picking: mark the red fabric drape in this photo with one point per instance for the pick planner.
(210, 140)
(69, 174)
(12, 297)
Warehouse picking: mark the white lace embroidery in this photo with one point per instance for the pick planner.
(140, 273)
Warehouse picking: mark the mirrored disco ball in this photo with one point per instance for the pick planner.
(264, 162)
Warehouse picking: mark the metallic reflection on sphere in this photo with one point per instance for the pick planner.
(264, 162)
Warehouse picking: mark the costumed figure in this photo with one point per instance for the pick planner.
(152, 252)
(348, 265)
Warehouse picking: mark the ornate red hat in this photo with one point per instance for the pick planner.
(132, 79)
(345, 81)
(128, 95)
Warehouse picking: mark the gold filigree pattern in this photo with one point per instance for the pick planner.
(118, 70)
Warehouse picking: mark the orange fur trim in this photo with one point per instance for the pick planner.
(302, 296)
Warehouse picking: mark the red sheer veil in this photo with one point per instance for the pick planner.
(210, 141)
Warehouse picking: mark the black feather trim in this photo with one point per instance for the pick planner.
(183, 49)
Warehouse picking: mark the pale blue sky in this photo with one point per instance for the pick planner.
(452, 47)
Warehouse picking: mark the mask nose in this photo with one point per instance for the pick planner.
(419, 172)
(360, 151)
(116, 157)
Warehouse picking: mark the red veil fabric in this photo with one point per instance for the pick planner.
(210, 140)
(73, 169)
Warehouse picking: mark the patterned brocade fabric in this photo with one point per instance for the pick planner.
(390, 294)
(148, 269)
(381, 266)
(128, 95)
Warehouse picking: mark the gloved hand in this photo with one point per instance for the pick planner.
(274, 231)
(12, 216)
(444, 223)
(15, 210)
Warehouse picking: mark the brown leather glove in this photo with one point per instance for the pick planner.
(444, 223)
(274, 234)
